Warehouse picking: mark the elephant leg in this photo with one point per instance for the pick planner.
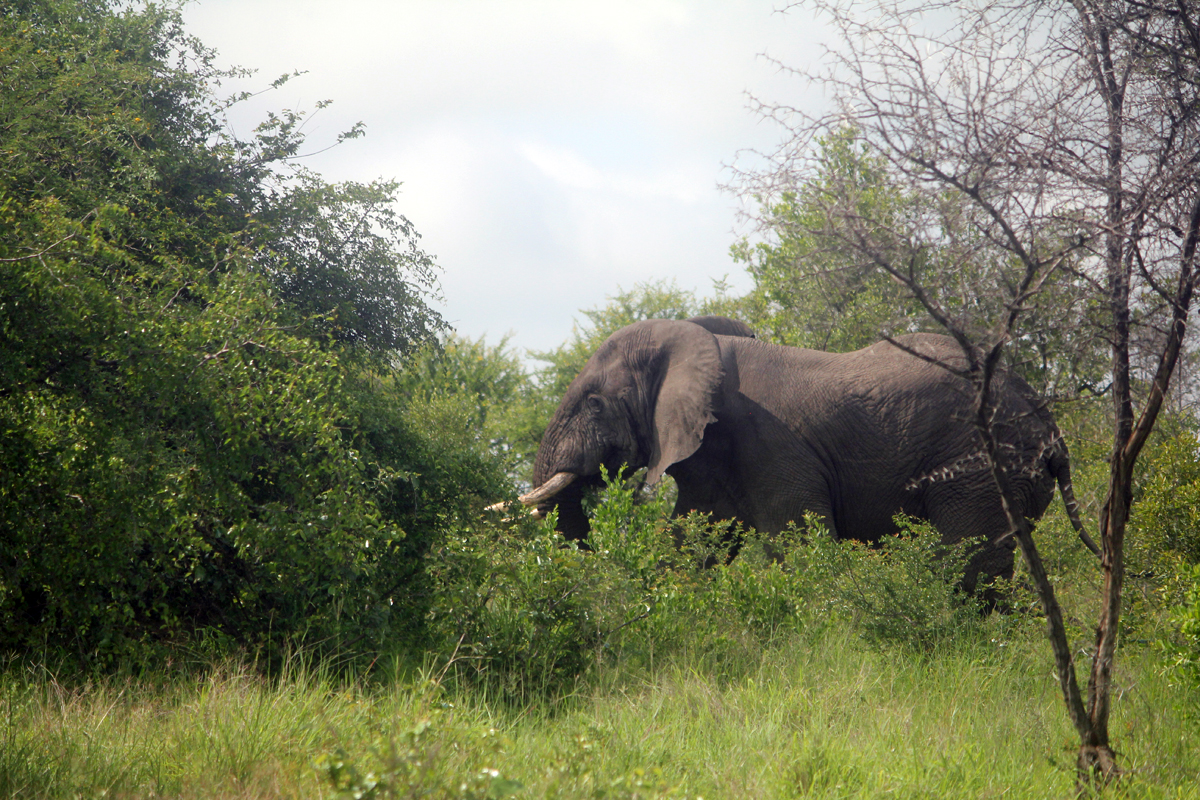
(977, 514)
(724, 525)
(703, 491)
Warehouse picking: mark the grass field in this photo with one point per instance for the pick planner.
(819, 716)
(839, 672)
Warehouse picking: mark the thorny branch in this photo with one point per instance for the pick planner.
(1030, 144)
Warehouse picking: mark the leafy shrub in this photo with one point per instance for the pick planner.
(527, 615)
(1165, 521)
(1184, 653)
(202, 435)
(418, 763)
(1163, 538)
(518, 611)
(902, 591)
(737, 582)
(490, 383)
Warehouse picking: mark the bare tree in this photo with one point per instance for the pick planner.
(1034, 144)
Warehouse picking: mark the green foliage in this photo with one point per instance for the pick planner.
(522, 616)
(1162, 545)
(757, 677)
(347, 263)
(526, 615)
(810, 290)
(201, 438)
(409, 764)
(1165, 539)
(1185, 653)
(753, 597)
(904, 591)
(492, 386)
(1166, 515)
(574, 772)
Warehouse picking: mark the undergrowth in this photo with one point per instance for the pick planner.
(529, 617)
(654, 666)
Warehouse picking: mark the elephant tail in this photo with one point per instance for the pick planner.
(1060, 466)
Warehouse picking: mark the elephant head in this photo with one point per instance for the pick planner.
(642, 400)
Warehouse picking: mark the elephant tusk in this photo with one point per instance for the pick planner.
(547, 490)
(556, 484)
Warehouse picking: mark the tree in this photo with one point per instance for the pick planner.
(814, 290)
(200, 434)
(1035, 144)
(490, 384)
(342, 257)
(809, 291)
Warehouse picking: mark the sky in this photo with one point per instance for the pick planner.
(550, 153)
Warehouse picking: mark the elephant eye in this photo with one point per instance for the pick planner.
(595, 404)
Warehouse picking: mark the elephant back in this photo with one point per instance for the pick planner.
(1030, 446)
(724, 326)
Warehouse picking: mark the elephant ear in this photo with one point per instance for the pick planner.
(690, 367)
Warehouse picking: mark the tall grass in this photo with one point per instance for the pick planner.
(825, 716)
(803, 668)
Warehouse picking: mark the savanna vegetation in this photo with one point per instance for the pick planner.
(244, 466)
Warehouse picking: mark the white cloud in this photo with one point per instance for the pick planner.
(568, 168)
(550, 152)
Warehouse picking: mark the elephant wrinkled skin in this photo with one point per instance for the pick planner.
(761, 433)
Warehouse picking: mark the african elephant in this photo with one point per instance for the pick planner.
(761, 433)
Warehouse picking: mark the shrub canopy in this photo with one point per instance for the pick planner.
(199, 423)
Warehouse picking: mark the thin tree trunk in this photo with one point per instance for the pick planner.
(1056, 629)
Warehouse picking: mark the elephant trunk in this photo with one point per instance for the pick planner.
(573, 523)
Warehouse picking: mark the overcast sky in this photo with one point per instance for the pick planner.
(551, 153)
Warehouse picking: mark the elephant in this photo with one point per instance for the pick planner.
(760, 434)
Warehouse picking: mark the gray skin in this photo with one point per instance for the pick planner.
(761, 434)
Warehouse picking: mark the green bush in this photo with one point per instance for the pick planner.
(522, 612)
(1163, 550)
(518, 612)
(202, 437)
(1165, 522)
(525, 614)
(902, 591)
(1184, 652)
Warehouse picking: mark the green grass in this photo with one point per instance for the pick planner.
(839, 672)
(806, 716)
